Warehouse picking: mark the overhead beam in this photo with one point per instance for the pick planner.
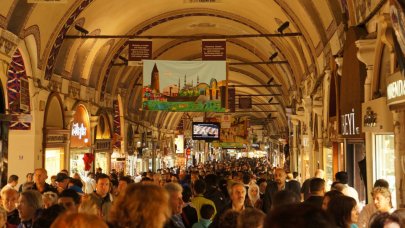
(194, 37)
(260, 62)
(258, 95)
(274, 85)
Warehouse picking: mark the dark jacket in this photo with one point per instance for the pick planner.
(13, 219)
(216, 196)
(174, 222)
(272, 189)
(315, 201)
(189, 216)
(48, 188)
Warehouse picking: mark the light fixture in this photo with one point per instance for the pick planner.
(283, 27)
(123, 58)
(273, 56)
(271, 99)
(82, 30)
(270, 81)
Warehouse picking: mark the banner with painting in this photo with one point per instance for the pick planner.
(183, 86)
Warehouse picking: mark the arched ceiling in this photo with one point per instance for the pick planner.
(91, 61)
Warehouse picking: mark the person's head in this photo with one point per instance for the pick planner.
(328, 196)
(229, 219)
(48, 216)
(70, 200)
(29, 177)
(344, 210)
(99, 170)
(262, 185)
(246, 178)
(280, 176)
(62, 180)
(175, 197)
(13, 180)
(207, 211)
(319, 173)
(401, 215)
(64, 171)
(187, 194)
(78, 220)
(381, 183)
(123, 183)
(304, 216)
(211, 180)
(199, 187)
(142, 205)
(251, 217)
(284, 197)
(77, 176)
(385, 220)
(238, 194)
(49, 199)
(40, 175)
(28, 203)
(102, 184)
(342, 177)
(3, 217)
(317, 186)
(253, 192)
(295, 174)
(382, 199)
(9, 198)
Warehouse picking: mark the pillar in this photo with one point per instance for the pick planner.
(366, 54)
(399, 130)
(309, 151)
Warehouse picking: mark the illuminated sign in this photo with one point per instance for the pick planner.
(179, 144)
(78, 130)
(348, 124)
(395, 89)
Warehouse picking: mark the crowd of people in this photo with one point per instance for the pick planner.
(235, 193)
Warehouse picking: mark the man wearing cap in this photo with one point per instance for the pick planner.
(62, 181)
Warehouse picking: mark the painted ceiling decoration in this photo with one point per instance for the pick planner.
(96, 63)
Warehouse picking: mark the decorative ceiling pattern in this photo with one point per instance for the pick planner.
(93, 62)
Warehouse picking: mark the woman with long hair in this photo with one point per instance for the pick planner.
(253, 199)
(142, 205)
(344, 210)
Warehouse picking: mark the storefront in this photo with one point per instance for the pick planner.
(80, 140)
(351, 97)
(103, 147)
(55, 136)
(391, 144)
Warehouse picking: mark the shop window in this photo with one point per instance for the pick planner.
(384, 161)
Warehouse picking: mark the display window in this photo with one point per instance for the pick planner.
(76, 162)
(384, 161)
(54, 158)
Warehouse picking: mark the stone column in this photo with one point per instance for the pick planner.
(399, 130)
(307, 103)
(366, 54)
(294, 155)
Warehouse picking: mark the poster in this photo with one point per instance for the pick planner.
(183, 86)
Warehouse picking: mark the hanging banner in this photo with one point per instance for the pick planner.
(213, 50)
(139, 50)
(117, 126)
(183, 86)
(237, 132)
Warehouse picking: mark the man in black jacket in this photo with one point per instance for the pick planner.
(213, 193)
(278, 184)
(317, 190)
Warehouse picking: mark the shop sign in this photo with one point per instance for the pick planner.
(213, 49)
(378, 117)
(56, 138)
(80, 130)
(103, 145)
(348, 124)
(179, 144)
(139, 50)
(396, 89)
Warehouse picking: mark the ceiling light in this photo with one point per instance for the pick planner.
(283, 27)
(273, 56)
(270, 81)
(271, 99)
(81, 30)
